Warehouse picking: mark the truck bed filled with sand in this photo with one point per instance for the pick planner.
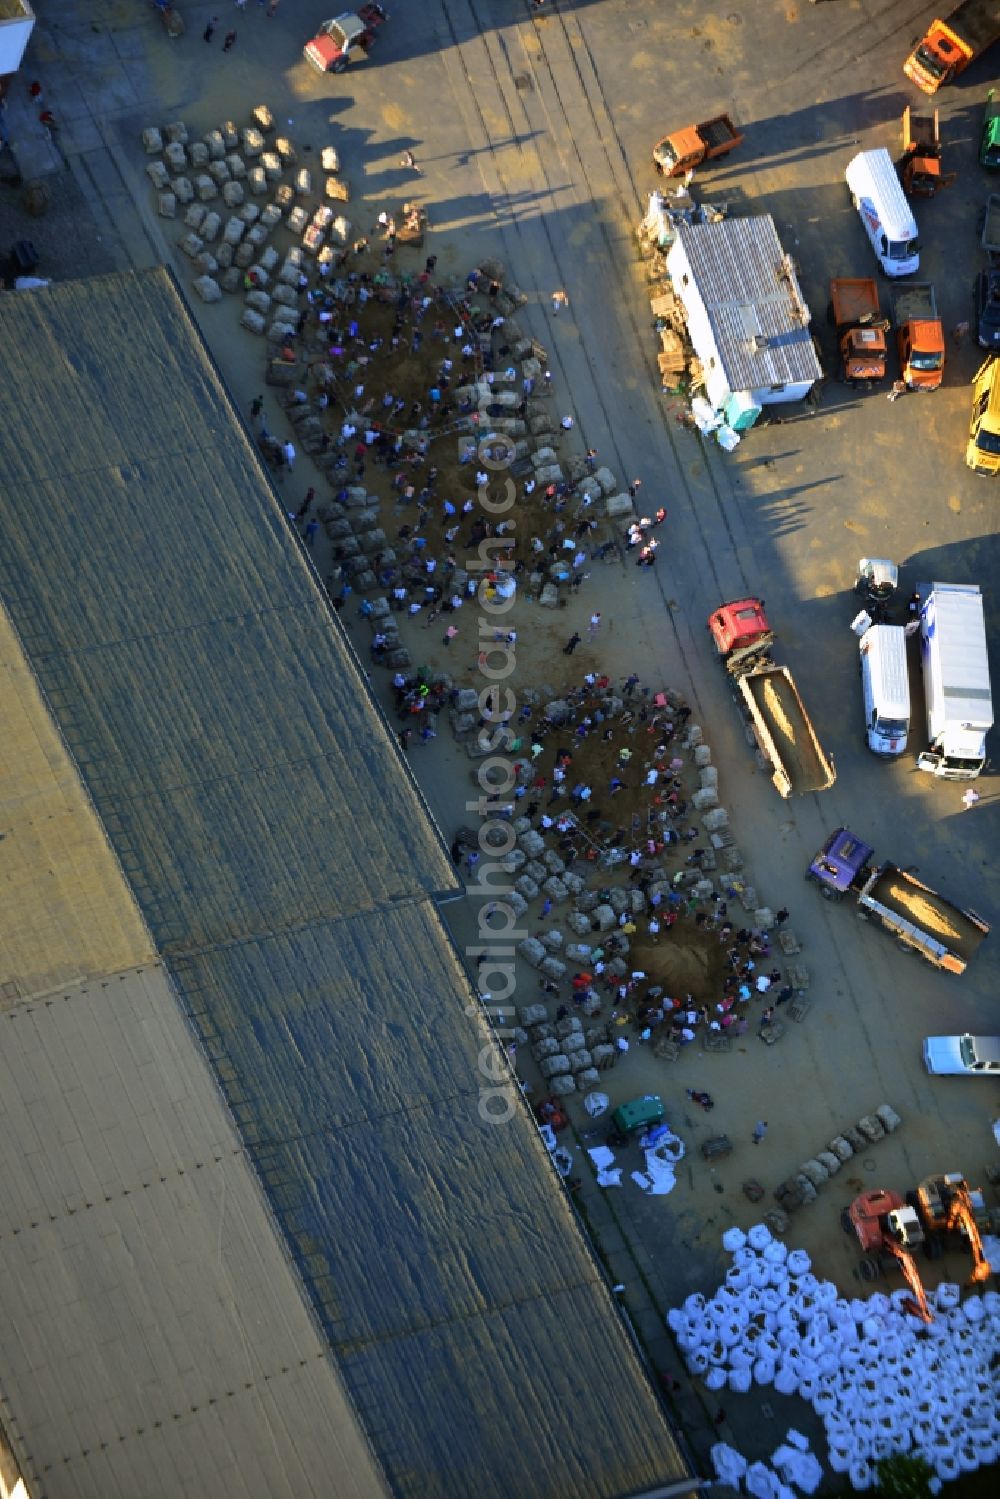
(934, 915)
(775, 697)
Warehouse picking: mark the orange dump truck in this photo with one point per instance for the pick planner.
(683, 150)
(919, 336)
(948, 46)
(861, 328)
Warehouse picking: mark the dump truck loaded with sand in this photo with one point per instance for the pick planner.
(769, 699)
(921, 921)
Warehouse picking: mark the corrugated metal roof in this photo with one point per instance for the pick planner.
(752, 296)
(287, 868)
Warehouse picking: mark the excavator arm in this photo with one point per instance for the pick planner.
(911, 1275)
(962, 1219)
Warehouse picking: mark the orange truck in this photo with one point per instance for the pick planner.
(948, 46)
(919, 336)
(861, 328)
(686, 149)
(919, 166)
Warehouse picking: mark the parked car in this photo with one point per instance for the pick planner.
(953, 1056)
(987, 306)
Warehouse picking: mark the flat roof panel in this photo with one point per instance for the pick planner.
(66, 910)
(158, 1297)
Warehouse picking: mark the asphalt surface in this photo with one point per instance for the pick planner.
(533, 132)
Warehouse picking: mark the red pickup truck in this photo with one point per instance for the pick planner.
(345, 39)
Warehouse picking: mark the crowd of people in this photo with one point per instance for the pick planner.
(604, 780)
(634, 737)
(403, 447)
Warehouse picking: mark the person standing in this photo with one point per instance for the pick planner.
(559, 299)
(759, 1131)
(780, 917)
(765, 1019)
(209, 31)
(230, 38)
(256, 407)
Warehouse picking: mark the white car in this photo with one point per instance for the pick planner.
(958, 1055)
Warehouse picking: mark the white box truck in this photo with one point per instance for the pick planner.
(885, 684)
(885, 214)
(956, 680)
(16, 22)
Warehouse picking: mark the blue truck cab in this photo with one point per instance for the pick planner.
(841, 864)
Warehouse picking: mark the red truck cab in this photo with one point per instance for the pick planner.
(740, 626)
(344, 39)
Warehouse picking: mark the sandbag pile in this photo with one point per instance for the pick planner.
(880, 1380)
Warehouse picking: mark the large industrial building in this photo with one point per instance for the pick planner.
(257, 1239)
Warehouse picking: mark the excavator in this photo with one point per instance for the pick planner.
(884, 1223)
(919, 166)
(944, 1205)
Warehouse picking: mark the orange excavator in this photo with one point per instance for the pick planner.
(919, 166)
(945, 1206)
(884, 1223)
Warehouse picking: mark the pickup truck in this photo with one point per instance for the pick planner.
(855, 313)
(683, 150)
(769, 699)
(345, 39)
(919, 335)
(945, 935)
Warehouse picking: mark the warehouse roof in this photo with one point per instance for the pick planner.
(286, 869)
(751, 294)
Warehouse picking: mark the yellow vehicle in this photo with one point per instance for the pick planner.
(983, 451)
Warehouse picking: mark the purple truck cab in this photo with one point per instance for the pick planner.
(840, 863)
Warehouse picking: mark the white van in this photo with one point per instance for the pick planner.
(885, 685)
(886, 215)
